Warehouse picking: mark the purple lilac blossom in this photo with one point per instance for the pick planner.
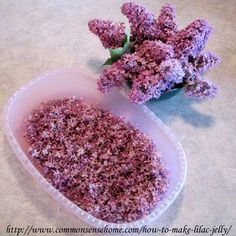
(206, 61)
(145, 87)
(113, 76)
(148, 86)
(193, 76)
(127, 68)
(162, 55)
(106, 166)
(200, 89)
(111, 34)
(132, 64)
(190, 73)
(137, 65)
(155, 51)
(166, 22)
(189, 42)
(142, 22)
(171, 72)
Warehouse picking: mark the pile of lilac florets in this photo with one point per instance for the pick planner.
(160, 58)
(101, 163)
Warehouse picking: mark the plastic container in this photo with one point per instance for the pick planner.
(58, 84)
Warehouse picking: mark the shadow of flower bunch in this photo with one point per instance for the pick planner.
(155, 57)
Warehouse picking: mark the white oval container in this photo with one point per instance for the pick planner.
(64, 83)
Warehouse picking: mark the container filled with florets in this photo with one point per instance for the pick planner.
(108, 161)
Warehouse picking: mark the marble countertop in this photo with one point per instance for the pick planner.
(40, 35)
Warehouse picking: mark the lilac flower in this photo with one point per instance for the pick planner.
(189, 42)
(200, 65)
(110, 34)
(132, 64)
(145, 87)
(200, 89)
(160, 56)
(171, 72)
(111, 77)
(190, 73)
(148, 86)
(206, 61)
(142, 22)
(155, 51)
(145, 61)
(166, 22)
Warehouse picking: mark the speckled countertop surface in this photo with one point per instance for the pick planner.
(40, 35)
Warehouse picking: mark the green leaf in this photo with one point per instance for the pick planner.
(127, 36)
(108, 62)
(126, 39)
(117, 53)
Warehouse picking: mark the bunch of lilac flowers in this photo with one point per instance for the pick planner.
(162, 57)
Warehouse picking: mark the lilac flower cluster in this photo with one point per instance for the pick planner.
(189, 42)
(143, 24)
(98, 161)
(163, 57)
(201, 88)
(167, 22)
(110, 34)
(205, 61)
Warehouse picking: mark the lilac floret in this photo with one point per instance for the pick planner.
(166, 22)
(189, 42)
(201, 89)
(142, 22)
(101, 163)
(113, 76)
(132, 64)
(155, 51)
(127, 68)
(200, 65)
(205, 61)
(190, 72)
(145, 87)
(110, 34)
(171, 72)
(148, 86)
